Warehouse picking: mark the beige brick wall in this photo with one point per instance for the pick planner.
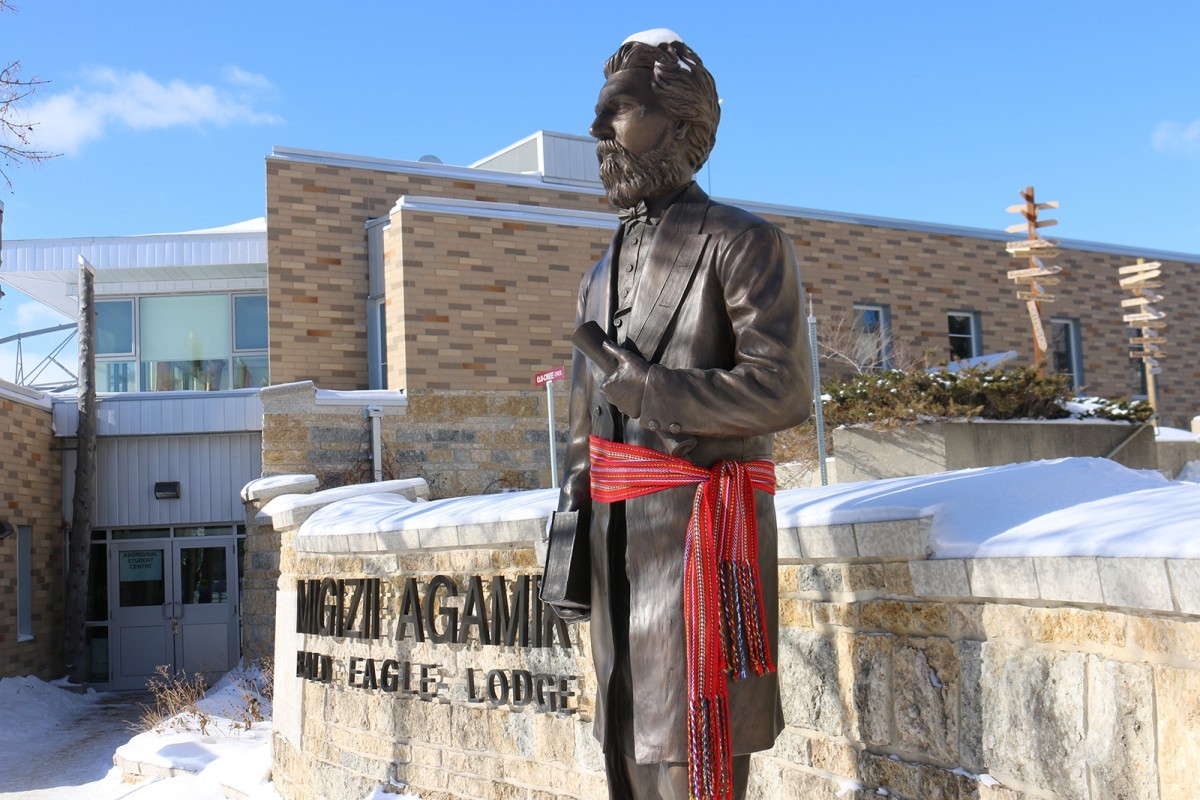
(478, 303)
(317, 258)
(30, 495)
(486, 303)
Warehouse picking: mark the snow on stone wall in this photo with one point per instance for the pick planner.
(994, 678)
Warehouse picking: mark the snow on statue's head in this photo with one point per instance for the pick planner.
(682, 85)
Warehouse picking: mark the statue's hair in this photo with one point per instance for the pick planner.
(685, 88)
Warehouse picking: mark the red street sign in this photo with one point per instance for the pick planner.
(556, 374)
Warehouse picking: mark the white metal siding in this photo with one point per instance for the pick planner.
(211, 470)
(158, 250)
(166, 413)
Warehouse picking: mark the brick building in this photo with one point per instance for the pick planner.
(429, 277)
(31, 537)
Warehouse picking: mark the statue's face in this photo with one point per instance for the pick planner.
(629, 113)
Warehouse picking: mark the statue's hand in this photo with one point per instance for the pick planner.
(625, 386)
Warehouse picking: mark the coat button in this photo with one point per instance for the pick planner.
(599, 410)
(675, 427)
(617, 323)
(652, 424)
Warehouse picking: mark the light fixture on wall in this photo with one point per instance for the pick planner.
(166, 490)
(6, 529)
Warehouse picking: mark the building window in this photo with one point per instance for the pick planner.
(114, 327)
(872, 337)
(377, 353)
(182, 342)
(963, 329)
(24, 583)
(1064, 355)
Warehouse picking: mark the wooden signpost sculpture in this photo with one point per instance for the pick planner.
(1142, 280)
(1037, 275)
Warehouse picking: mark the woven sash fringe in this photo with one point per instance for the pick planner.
(724, 614)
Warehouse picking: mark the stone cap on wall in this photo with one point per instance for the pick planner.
(268, 488)
(288, 512)
(1156, 584)
(305, 397)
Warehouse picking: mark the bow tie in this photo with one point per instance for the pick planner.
(639, 213)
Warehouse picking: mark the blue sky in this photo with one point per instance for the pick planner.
(931, 111)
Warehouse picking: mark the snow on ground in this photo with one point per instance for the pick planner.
(59, 745)
(1061, 507)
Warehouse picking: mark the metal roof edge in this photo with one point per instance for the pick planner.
(104, 397)
(511, 211)
(25, 396)
(941, 228)
(416, 167)
(133, 237)
(515, 179)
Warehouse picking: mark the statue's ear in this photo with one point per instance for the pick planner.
(681, 129)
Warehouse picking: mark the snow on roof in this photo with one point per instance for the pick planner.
(256, 225)
(1062, 507)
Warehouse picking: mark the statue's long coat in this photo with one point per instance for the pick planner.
(718, 313)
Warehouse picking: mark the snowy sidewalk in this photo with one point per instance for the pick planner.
(55, 749)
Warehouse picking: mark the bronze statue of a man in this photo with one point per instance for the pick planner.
(671, 435)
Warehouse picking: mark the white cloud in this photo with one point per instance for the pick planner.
(1177, 137)
(108, 97)
(237, 76)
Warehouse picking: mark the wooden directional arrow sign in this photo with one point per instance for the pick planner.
(1044, 248)
(1145, 316)
(1134, 280)
(1140, 301)
(1033, 272)
(1017, 209)
(1021, 226)
(1149, 265)
(1038, 296)
(1154, 356)
(1148, 340)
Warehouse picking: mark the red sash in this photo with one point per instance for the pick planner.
(723, 609)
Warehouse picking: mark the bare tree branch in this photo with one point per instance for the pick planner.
(842, 341)
(15, 131)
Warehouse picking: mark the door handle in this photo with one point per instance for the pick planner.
(181, 609)
(167, 614)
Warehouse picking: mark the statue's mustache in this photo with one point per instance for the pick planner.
(607, 148)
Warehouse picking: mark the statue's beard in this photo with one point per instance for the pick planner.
(630, 178)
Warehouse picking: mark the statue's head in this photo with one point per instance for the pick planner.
(656, 117)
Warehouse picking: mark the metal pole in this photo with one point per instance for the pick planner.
(1152, 391)
(818, 408)
(553, 449)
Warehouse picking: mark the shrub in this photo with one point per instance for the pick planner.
(898, 397)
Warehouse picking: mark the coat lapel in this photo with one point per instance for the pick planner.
(670, 265)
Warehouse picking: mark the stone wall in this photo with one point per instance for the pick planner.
(865, 454)
(998, 679)
(30, 494)
(461, 443)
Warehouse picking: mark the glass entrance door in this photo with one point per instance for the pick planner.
(205, 629)
(142, 614)
(174, 602)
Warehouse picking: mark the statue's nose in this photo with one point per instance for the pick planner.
(601, 129)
